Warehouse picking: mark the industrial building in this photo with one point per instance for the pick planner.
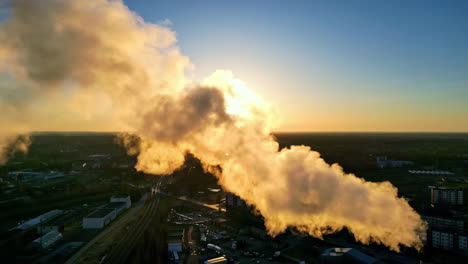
(447, 196)
(57, 223)
(47, 240)
(105, 214)
(39, 220)
(126, 200)
(175, 239)
(345, 255)
(99, 218)
(234, 201)
(384, 162)
(26, 176)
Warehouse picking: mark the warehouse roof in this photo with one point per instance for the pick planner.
(48, 239)
(115, 205)
(100, 213)
(40, 219)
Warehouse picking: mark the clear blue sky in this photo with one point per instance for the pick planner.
(334, 65)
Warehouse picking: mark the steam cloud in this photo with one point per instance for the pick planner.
(100, 63)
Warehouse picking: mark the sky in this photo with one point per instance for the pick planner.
(333, 65)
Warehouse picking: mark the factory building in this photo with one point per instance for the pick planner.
(235, 202)
(239, 211)
(345, 255)
(175, 239)
(448, 196)
(39, 220)
(58, 223)
(99, 218)
(26, 176)
(126, 200)
(384, 162)
(49, 239)
(105, 214)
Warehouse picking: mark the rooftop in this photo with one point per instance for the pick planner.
(40, 219)
(114, 205)
(100, 213)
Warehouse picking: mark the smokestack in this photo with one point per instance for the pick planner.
(98, 62)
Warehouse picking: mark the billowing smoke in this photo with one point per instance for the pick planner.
(11, 144)
(96, 65)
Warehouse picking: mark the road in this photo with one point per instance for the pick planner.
(120, 253)
(121, 221)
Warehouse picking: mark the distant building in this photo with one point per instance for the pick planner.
(173, 257)
(126, 200)
(383, 162)
(447, 240)
(434, 172)
(39, 220)
(238, 210)
(175, 238)
(447, 196)
(105, 214)
(99, 218)
(444, 223)
(99, 156)
(345, 255)
(235, 202)
(88, 164)
(26, 176)
(48, 240)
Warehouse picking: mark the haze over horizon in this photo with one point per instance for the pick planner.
(317, 64)
(334, 65)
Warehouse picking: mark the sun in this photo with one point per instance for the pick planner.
(240, 101)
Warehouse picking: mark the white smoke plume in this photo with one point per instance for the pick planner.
(101, 66)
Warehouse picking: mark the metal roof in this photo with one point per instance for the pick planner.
(48, 239)
(100, 213)
(39, 219)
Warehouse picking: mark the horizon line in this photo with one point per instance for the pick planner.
(272, 132)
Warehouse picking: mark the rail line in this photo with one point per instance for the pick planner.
(120, 253)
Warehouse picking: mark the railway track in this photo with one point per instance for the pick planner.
(120, 253)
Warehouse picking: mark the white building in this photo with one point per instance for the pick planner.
(105, 214)
(39, 220)
(383, 162)
(48, 239)
(126, 200)
(99, 218)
